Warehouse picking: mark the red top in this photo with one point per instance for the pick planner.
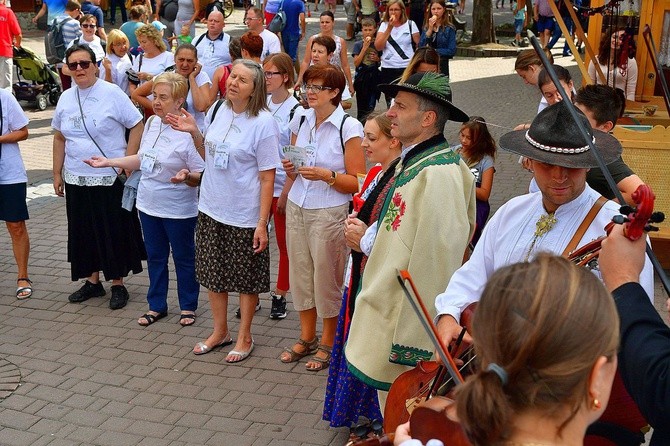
(9, 27)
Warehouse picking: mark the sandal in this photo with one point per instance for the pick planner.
(24, 292)
(310, 348)
(150, 318)
(186, 319)
(320, 363)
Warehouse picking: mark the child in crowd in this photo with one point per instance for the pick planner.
(519, 8)
(366, 60)
(160, 27)
(183, 37)
(478, 150)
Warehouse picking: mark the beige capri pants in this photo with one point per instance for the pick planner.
(317, 253)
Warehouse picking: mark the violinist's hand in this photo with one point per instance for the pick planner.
(449, 331)
(621, 260)
(354, 230)
(401, 434)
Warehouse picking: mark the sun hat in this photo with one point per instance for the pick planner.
(554, 138)
(432, 86)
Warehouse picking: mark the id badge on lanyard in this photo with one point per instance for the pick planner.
(221, 155)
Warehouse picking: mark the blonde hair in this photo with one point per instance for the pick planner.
(152, 34)
(178, 84)
(545, 323)
(403, 12)
(115, 36)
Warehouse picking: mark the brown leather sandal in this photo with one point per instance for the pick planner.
(310, 348)
(321, 363)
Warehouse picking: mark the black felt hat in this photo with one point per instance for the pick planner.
(554, 138)
(429, 85)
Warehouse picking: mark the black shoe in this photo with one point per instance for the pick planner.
(258, 307)
(119, 297)
(87, 290)
(278, 310)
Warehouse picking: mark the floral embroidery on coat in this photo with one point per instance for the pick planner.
(395, 212)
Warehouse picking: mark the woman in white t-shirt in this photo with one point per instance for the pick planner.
(279, 77)
(396, 39)
(325, 175)
(91, 118)
(241, 151)
(168, 208)
(117, 62)
(154, 60)
(198, 98)
(13, 182)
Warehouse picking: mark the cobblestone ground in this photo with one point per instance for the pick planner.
(90, 375)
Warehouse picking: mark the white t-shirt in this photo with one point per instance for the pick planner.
(201, 79)
(164, 152)
(403, 36)
(270, 43)
(108, 112)
(237, 147)
(95, 45)
(282, 114)
(213, 53)
(155, 65)
(119, 67)
(326, 151)
(12, 170)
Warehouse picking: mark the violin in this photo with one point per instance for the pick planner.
(636, 220)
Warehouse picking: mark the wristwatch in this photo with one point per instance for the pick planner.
(333, 177)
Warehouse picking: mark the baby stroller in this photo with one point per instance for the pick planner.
(35, 80)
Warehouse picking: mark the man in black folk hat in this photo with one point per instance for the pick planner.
(424, 226)
(564, 215)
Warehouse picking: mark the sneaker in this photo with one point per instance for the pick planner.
(514, 43)
(278, 310)
(87, 290)
(119, 297)
(258, 308)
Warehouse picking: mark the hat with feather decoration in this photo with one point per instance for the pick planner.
(432, 86)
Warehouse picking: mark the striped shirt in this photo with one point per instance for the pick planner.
(71, 29)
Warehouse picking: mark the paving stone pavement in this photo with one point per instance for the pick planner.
(90, 375)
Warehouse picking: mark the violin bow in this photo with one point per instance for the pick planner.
(428, 325)
(596, 153)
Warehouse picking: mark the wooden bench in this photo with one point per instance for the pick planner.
(647, 151)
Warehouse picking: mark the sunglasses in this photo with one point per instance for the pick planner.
(88, 25)
(84, 64)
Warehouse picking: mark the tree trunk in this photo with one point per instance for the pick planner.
(483, 28)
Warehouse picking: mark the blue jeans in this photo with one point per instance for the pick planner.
(290, 42)
(558, 33)
(159, 235)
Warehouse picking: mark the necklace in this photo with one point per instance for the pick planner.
(288, 95)
(317, 123)
(543, 225)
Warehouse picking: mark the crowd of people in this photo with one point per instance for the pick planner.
(154, 152)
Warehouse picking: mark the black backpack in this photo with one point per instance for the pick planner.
(54, 44)
(168, 10)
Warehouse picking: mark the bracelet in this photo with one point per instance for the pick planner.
(332, 178)
(263, 219)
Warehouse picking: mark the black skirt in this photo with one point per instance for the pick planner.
(102, 236)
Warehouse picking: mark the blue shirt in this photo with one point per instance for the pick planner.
(90, 8)
(443, 41)
(293, 9)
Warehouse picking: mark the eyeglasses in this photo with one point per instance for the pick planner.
(315, 88)
(269, 74)
(249, 19)
(88, 25)
(84, 64)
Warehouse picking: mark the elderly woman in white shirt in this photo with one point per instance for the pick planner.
(90, 120)
(240, 146)
(317, 208)
(168, 209)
